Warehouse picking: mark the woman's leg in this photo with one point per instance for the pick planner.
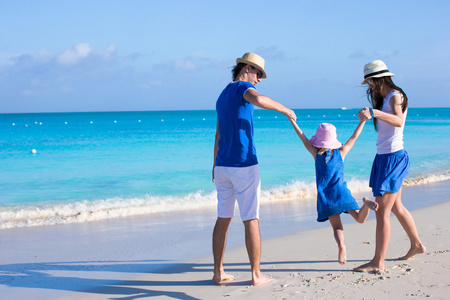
(406, 220)
(338, 231)
(383, 233)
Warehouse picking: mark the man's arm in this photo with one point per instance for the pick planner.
(255, 98)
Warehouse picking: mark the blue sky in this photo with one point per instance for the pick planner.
(64, 56)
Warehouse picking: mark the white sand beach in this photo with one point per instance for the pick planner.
(101, 260)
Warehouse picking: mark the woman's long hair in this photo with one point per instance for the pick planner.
(376, 98)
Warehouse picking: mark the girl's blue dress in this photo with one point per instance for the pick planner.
(333, 196)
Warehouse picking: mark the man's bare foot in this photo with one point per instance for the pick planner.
(417, 249)
(261, 279)
(370, 204)
(369, 267)
(342, 256)
(222, 278)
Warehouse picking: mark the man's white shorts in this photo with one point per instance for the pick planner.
(241, 184)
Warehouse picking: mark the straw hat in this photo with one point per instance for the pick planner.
(326, 137)
(375, 69)
(254, 60)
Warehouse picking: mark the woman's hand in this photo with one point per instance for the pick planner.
(364, 114)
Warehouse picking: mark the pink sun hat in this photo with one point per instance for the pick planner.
(326, 137)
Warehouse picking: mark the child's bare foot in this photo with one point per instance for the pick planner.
(222, 278)
(417, 249)
(370, 204)
(342, 256)
(369, 267)
(261, 279)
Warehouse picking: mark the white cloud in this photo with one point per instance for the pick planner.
(84, 77)
(84, 50)
(185, 65)
(43, 56)
(72, 56)
(49, 73)
(193, 63)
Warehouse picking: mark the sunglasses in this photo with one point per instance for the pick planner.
(370, 81)
(258, 73)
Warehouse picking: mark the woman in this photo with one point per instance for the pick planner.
(391, 164)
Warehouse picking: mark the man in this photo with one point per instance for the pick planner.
(235, 170)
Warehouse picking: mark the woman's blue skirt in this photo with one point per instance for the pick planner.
(388, 172)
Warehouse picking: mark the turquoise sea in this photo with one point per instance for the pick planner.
(61, 168)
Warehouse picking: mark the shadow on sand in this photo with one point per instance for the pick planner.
(100, 277)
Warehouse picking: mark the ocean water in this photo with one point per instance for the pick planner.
(94, 166)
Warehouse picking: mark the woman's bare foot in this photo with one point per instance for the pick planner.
(222, 278)
(417, 249)
(261, 279)
(369, 267)
(342, 256)
(370, 204)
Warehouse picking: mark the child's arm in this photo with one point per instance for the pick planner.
(306, 142)
(351, 141)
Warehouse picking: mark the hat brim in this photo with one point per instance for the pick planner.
(329, 145)
(242, 60)
(387, 74)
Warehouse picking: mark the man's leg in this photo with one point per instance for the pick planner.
(219, 243)
(253, 244)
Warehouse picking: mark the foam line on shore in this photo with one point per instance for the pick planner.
(86, 211)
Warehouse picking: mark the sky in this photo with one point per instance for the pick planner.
(77, 56)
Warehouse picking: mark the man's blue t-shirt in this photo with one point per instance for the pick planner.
(235, 115)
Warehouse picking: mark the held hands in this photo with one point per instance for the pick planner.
(364, 114)
(290, 114)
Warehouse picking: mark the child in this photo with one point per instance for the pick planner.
(333, 196)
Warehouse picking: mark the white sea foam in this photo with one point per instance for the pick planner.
(427, 178)
(86, 211)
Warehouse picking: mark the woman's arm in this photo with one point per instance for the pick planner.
(395, 119)
(255, 98)
(305, 140)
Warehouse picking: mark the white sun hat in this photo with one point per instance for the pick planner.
(376, 69)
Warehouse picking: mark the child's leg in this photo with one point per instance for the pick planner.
(338, 231)
(361, 215)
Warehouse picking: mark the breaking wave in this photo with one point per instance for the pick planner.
(87, 211)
